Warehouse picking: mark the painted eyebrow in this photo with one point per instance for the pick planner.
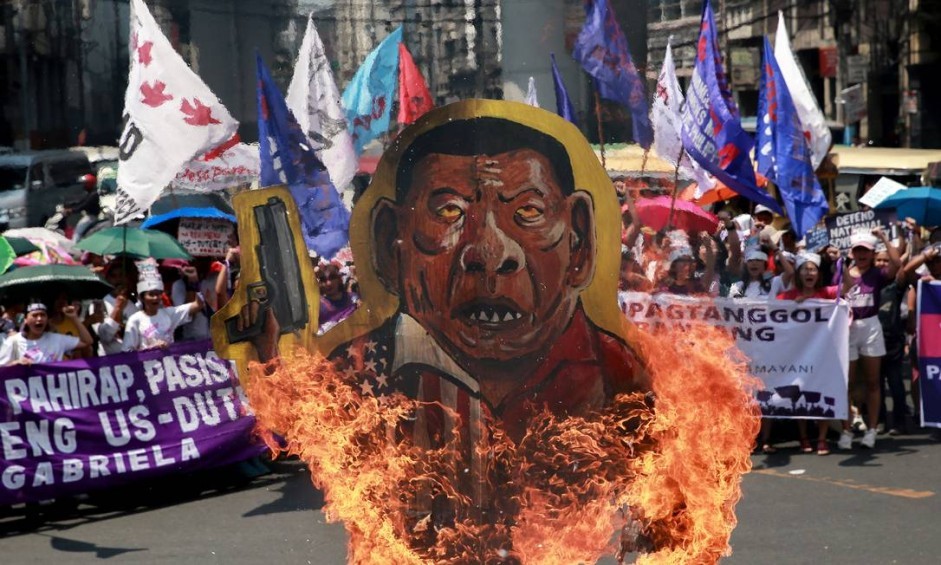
(520, 192)
(451, 191)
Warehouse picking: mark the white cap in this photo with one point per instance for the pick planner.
(762, 208)
(148, 284)
(807, 258)
(755, 254)
(863, 239)
(682, 253)
(148, 276)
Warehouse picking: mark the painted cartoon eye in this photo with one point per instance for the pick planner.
(529, 213)
(450, 212)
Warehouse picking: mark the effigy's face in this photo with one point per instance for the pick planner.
(486, 248)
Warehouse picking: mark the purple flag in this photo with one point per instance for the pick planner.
(783, 153)
(712, 133)
(288, 158)
(563, 105)
(602, 50)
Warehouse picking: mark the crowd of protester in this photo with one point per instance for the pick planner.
(746, 256)
(758, 256)
(143, 313)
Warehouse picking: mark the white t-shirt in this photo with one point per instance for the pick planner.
(199, 327)
(49, 348)
(146, 332)
(109, 340)
(777, 286)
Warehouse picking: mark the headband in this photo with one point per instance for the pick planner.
(36, 307)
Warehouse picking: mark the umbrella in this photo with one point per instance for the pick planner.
(923, 204)
(41, 235)
(135, 242)
(655, 213)
(46, 254)
(7, 254)
(22, 246)
(180, 213)
(49, 280)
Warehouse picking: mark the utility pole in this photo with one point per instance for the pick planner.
(479, 58)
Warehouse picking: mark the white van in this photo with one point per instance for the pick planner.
(33, 183)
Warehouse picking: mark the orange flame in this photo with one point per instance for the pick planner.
(666, 477)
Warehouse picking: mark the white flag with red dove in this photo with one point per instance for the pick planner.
(171, 117)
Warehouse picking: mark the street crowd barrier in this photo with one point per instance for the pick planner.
(799, 351)
(77, 426)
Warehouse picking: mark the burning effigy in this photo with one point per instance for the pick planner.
(488, 402)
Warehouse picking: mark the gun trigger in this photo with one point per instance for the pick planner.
(258, 293)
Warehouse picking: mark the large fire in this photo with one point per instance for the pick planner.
(654, 479)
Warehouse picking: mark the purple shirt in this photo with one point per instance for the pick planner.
(863, 297)
(335, 312)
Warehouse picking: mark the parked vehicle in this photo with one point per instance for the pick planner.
(858, 168)
(33, 183)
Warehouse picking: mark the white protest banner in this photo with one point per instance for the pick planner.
(237, 165)
(205, 237)
(800, 351)
(884, 188)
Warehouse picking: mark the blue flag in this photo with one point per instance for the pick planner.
(602, 50)
(287, 158)
(563, 105)
(368, 98)
(783, 152)
(712, 132)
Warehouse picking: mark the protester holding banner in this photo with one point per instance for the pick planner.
(928, 262)
(755, 280)
(36, 344)
(154, 325)
(867, 344)
(808, 284)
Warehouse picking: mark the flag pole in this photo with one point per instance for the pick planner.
(676, 183)
(600, 127)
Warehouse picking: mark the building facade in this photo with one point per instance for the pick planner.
(884, 47)
(63, 63)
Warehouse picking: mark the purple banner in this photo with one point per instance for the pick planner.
(82, 425)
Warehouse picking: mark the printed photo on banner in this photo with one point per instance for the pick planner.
(799, 351)
(83, 425)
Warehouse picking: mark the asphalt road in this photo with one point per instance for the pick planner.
(860, 507)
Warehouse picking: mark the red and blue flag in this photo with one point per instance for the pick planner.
(712, 132)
